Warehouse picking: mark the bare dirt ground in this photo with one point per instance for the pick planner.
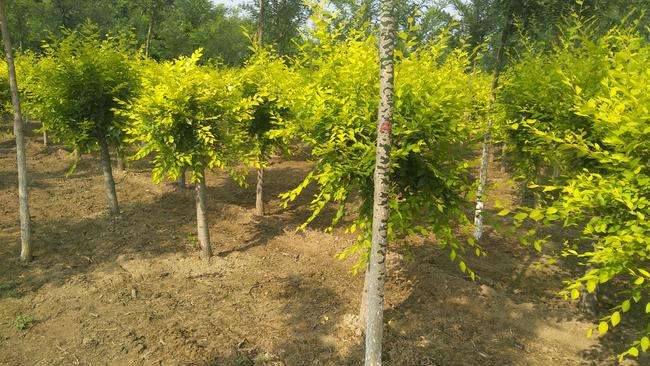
(132, 290)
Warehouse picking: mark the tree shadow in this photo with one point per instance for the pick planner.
(311, 330)
(9, 180)
(66, 247)
(69, 245)
(533, 274)
(444, 318)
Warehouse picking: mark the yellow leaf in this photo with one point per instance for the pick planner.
(603, 328)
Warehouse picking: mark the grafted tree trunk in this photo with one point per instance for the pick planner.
(487, 139)
(202, 218)
(259, 192)
(23, 191)
(109, 182)
(376, 272)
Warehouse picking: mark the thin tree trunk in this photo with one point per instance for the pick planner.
(259, 193)
(202, 218)
(121, 164)
(260, 22)
(478, 212)
(376, 272)
(146, 47)
(23, 191)
(149, 30)
(502, 159)
(181, 180)
(45, 141)
(108, 177)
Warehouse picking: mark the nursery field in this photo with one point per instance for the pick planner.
(335, 182)
(132, 289)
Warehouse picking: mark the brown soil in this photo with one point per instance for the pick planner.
(132, 289)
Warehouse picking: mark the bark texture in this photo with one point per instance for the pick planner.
(109, 182)
(259, 193)
(45, 139)
(376, 272)
(23, 191)
(202, 218)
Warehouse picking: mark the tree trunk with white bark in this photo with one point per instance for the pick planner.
(203, 231)
(485, 155)
(376, 272)
(107, 170)
(259, 193)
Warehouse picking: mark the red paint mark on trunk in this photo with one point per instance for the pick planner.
(385, 127)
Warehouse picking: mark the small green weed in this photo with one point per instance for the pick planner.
(23, 321)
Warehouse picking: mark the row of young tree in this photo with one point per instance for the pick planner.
(572, 121)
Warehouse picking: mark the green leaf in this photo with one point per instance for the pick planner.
(616, 318)
(536, 215)
(645, 343)
(591, 285)
(520, 216)
(575, 294)
(639, 281)
(503, 212)
(452, 254)
(647, 307)
(625, 306)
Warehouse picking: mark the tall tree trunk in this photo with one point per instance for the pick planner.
(478, 212)
(259, 192)
(376, 272)
(113, 208)
(148, 41)
(23, 191)
(202, 218)
(260, 22)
